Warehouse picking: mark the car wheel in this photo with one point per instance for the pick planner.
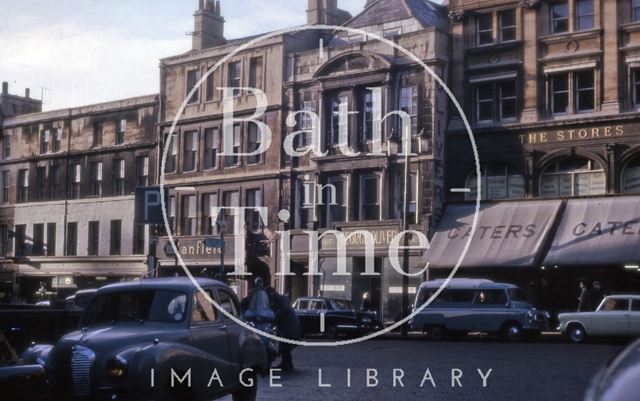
(512, 331)
(437, 333)
(247, 393)
(331, 331)
(576, 333)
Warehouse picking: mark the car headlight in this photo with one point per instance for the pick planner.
(117, 367)
(366, 320)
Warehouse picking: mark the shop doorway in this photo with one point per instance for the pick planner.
(362, 284)
(297, 286)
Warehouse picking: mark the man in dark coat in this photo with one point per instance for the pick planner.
(288, 326)
(584, 301)
(596, 295)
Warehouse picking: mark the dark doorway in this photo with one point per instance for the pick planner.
(366, 284)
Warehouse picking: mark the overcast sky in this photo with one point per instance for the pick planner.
(78, 52)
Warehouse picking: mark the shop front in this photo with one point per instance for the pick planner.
(384, 286)
(547, 247)
(57, 278)
(508, 245)
(202, 261)
(598, 239)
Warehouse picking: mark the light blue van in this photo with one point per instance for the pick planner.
(475, 305)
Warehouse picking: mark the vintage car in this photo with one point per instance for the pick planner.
(476, 305)
(617, 316)
(340, 318)
(155, 340)
(618, 380)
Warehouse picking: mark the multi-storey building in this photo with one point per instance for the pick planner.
(10, 105)
(67, 203)
(365, 192)
(321, 71)
(551, 89)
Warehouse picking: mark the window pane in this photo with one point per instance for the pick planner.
(484, 100)
(559, 17)
(508, 25)
(485, 29)
(560, 93)
(585, 90)
(636, 85)
(636, 10)
(584, 14)
(507, 99)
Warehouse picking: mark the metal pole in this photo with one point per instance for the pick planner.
(222, 270)
(405, 228)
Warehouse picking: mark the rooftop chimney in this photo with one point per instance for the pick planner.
(208, 25)
(27, 92)
(5, 88)
(326, 12)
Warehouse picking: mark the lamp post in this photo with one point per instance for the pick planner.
(405, 227)
(221, 222)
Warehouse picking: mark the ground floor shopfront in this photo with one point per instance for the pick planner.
(546, 246)
(384, 287)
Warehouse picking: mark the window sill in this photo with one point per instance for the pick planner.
(562, 36)
(495, 46)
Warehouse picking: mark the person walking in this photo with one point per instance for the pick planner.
(366, 302)
(596, 295)
(288, 326)
(584, 300)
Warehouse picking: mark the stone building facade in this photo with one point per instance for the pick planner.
(68, 178)
(552, 90)
(309, 70)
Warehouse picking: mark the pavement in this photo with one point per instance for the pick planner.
(477, 368)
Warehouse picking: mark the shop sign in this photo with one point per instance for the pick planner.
(398, 290)
(573, 135)
(197, 249)
(63, 282)
(382, 238)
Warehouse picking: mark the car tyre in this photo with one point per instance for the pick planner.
(247, 393)
(576, 333)
(437, 333)
(512, 331)
(331, 332)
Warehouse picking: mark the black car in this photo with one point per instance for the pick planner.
(339, 317)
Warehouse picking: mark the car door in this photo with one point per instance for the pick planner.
(318, 306)
(490, 310)
(302, 311)
(227, 301)
(612, 319)
(634, 318)
(209, 333)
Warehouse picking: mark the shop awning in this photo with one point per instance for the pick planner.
(509, 234)
(599, 231)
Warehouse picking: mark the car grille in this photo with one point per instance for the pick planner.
(82, 359)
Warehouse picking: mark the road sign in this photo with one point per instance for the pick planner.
(213, 243)
(149, 206)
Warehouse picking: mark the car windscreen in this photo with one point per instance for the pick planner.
(141, 305)
(517, 295)
(340, 304)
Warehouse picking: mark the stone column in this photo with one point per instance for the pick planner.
(611, 63)
(530, 81)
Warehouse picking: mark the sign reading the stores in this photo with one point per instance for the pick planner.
(576, 134)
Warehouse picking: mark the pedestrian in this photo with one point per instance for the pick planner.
(596, 295)
(584, 300)
(288, 326)
(366, 302)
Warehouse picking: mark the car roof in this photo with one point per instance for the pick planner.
(467, 283)
(625, 296)
(322, 299)
(171, 283)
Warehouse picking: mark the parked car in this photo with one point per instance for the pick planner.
(139, 338)
(618, 380)
(475, 305)
(81, 298)
(617, 316)
(340, 318)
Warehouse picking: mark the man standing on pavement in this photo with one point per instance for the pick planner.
(596, 295)
(584, 301)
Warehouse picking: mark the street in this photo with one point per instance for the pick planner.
(537, 371)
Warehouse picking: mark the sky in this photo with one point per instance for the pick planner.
(78, 52)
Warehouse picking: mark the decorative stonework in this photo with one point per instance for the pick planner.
(456, 16)
(531, 4)
(572, 46)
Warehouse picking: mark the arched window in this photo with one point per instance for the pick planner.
(573, 177)
(630, 180)
(498, 181)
